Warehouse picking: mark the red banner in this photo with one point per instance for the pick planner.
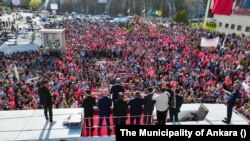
(222, 7)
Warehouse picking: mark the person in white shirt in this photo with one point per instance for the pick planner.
(161, 106)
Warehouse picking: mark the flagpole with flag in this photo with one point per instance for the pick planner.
(206, 14)
(128, 11)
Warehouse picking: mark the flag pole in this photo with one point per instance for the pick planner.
(206, 14)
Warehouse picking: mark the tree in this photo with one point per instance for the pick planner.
(181, 17)
(25, 3)
(35, 4)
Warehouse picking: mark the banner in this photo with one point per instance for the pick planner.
(54, 6)
(102, 1)
(222, 7)
(32, 79)
(242, 7)
(209, 42)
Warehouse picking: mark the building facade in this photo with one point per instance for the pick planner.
(238, 21)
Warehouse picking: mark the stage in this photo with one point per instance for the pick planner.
(31, 124)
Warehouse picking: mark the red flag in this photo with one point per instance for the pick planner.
(222, 7)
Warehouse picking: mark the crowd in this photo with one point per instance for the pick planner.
(148, 55)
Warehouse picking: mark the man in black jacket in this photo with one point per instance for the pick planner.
(175, 108)
(136, 108)
(88, 105)
(231, 102)
(120, 110)
(46, 100)
(104, 105)
(148, 107)
(116, 89)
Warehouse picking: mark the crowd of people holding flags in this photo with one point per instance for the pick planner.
(150, 55)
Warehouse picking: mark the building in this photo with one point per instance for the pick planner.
(196, 8)
(234, 20)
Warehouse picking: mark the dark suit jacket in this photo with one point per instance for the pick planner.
(148, 103)
(179, 101)
(45, 96)
(136, 106)
(233, 98)
(104, 105)
(171, 97)
(115, 90)
(120, 108)
(88, 105)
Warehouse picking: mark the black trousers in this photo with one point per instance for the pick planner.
(107, 118)
(147, 119)
(46, 108)
(120, 121)
(229, 113)
(88, 118)
(136, 118)
(161, 117)
(173, 115)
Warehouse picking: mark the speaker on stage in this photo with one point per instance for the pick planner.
(202, 112)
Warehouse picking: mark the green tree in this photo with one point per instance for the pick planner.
(181, 17)
(24, 3)
(35, 4)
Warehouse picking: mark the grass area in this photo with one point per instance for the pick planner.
(209, 26)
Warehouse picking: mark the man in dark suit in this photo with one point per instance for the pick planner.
(175, 108)
(46, 100)
(116, 89)
(171, 97)
(120, 110)
(88, 105)
(148, 107)
(231, 102)
(104, 105)
(136, 108)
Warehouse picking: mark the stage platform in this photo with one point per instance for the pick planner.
(31, 125)
(216, 113)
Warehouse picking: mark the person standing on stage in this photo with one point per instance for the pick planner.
(116, 89)
(120, 110)
(88, 105)
(161, 106)
(148, 107)
(46, 100)
(175, 108)
(231, 102)
(136, 108)
(104, 105)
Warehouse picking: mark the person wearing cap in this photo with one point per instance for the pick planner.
(116, 89)
(231, 102)
(46, 100)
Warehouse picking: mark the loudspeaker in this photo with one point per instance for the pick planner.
(202, 112)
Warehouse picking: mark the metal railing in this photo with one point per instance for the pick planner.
(96, 129)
